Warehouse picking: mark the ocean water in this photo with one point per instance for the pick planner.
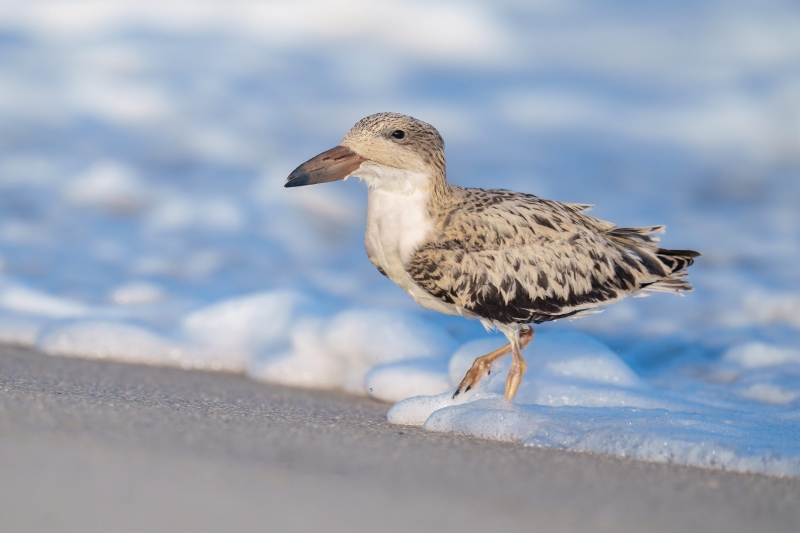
(143, 150)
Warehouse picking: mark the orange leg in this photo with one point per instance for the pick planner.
(483, 365)
(518, 365)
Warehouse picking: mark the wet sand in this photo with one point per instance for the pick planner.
(91, 446)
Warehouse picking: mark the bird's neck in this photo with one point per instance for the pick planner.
(430, 182)
(441, 192)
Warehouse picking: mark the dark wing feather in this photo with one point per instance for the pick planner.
(515, 258)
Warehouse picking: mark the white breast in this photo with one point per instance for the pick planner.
(397, 225)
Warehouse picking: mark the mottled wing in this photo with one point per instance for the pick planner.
(516, 258)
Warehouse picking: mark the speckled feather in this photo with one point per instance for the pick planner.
(510, 257)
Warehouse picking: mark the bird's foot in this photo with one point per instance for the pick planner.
(479, 368)
(483, 365)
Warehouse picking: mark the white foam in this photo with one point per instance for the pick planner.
(339, 353)
(20, 330)
(107, 184)
(392, 382)
(767, 307)
(759, 354)
(101, 340)
(439, 38)
(21, 299)
(175, 213)
(725, 441)
(581, 397)
(248, 323)
(135, 293)
(770, 393)
(94, 339)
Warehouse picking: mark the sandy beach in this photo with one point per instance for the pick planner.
(144, 220)
(98, 446)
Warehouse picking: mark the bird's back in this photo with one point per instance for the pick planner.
(510, 257)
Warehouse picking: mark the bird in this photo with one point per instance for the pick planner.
(509, 259)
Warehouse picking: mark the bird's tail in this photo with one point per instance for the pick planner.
(669, 265)
(676, 260)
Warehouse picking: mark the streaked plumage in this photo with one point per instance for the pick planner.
(506, 258)
(515, 258)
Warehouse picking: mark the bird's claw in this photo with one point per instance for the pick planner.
(458, 390)
(473, 376)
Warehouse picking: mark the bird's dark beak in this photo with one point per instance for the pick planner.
(335, 164)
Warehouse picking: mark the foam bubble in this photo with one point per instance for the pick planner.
(107, 340)
(96, 339)
(21, 299)
(759, 354)
(392, 382)
(136, 293)
(178, 213)
(580, 396)
(251, 322)
(20, 330)
(340, 352)
(108, 184)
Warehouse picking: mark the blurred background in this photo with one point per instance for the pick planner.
(144, 145)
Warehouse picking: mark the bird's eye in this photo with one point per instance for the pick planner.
(398, 134)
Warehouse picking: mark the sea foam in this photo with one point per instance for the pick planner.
(143, 216)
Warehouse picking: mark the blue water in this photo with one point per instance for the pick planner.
(143, 151)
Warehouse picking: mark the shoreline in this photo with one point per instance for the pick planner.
(98, 442)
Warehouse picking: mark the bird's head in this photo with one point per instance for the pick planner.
(385, 150)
